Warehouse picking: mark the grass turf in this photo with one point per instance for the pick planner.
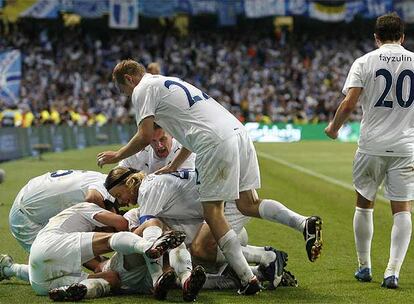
(328, 280)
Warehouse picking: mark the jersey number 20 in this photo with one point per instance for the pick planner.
(398, 88)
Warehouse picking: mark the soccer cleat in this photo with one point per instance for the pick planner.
(273, 273)
(164, 283)
(363, 275)
(288, 279)
(390, 282)
(250, 288)
(169, 240)
(73, 292)
(313, 237)
(5, 261)
(194, 283)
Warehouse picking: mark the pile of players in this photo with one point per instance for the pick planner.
(68, 219)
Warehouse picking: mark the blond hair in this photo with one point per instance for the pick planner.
(128, 66)
(132, 181)
(154, 68)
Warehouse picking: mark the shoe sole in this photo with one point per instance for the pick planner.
(167, 282)
(2, 257)
(198, 278)
(171, 240)
(317, 246)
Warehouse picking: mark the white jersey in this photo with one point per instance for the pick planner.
(170, 196)
(196, 120)
(147, 161)
(78, 218)
(387, 78)
(46, 195)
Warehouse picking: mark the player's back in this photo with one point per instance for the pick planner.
(46, 195)
(196, 120)
(387, 126)
(77, 218)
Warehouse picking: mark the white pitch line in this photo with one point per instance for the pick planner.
(323, 177)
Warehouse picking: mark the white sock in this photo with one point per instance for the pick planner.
(128, 243)
(220, 258)
(243, 237)
(150, 234)
(231, 248)
(96, 288)
(400, 239)
(253, 254)
(220, 282)
(20, 271)
(363, 232)
(276, 212)
(180, 260)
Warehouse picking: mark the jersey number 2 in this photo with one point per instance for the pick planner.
(191, 99)
(398, 88)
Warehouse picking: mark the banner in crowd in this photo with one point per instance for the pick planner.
(123, 14)
(333, 11)
(10, 75)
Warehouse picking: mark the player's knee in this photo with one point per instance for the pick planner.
(205, 250)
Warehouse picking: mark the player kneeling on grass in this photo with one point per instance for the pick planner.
(68, 241)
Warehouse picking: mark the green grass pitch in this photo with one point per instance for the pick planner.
(308, 177)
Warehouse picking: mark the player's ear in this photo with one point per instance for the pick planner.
(128, 78)
(402, 38)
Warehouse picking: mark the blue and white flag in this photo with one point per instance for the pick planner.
(123, 14)
(10, 75)
(43, 9)
(263, 8)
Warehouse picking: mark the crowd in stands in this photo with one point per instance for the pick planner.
(67, 76)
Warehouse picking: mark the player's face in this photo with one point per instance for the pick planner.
(161, 143)
(124, 196)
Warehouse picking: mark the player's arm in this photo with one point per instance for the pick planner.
(140, 140)
(343, 112)
(176, 163)
(93, 196)
(112, 220)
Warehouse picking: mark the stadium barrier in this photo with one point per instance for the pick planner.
(20, 142)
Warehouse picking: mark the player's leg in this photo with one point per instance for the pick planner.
(230, 246)
(368, 174)
(399, 188)
(9, 269)
(250, 204)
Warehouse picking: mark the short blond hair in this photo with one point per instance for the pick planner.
(132, 181)
(128, 66)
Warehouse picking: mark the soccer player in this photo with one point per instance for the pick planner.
(69, 240)
(226, 158)
(159, 153)
(383, 82)
(46, 195)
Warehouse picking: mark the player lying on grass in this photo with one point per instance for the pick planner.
(69, 240)
(173, 199)
(47, 195)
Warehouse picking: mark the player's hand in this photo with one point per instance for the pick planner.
(107, 157)
(166, 169)
(330, 132)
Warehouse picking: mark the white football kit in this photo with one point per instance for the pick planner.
(386, 143)
(174, 199)
(226, 159)
(62, 246)
(45, 196)
(147, 161)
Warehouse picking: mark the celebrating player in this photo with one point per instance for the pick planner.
(383, 82)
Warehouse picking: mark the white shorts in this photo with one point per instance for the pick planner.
(190, 227)
(234, 217)
(133, 272)
(228, 168)
(369, 171)
(56, 259)
(22, 228)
